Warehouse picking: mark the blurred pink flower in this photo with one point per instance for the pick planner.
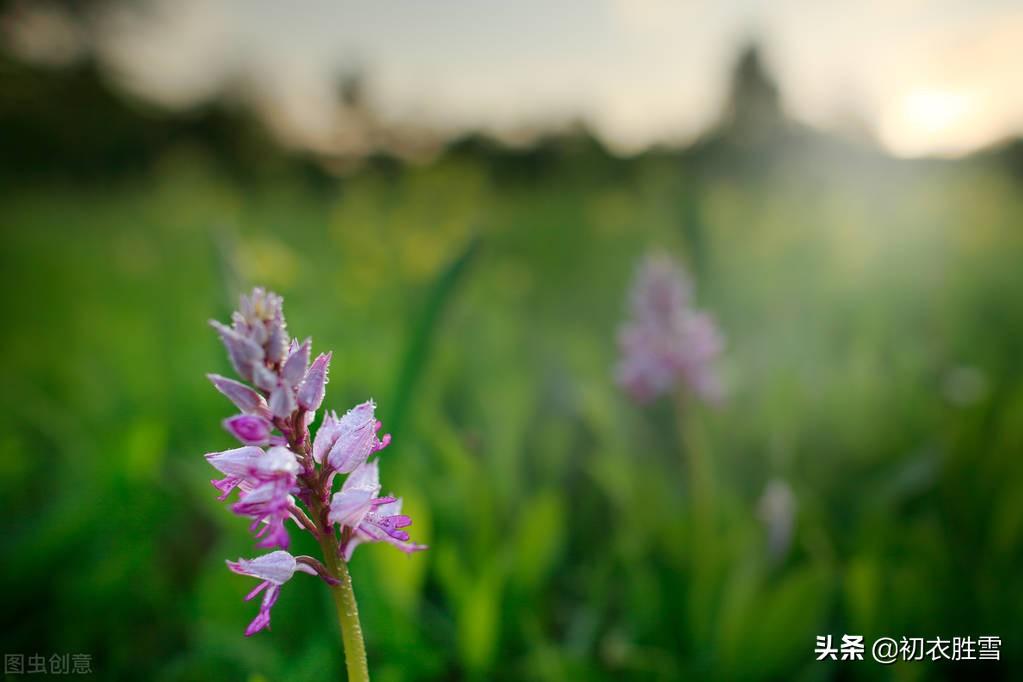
(666, 343)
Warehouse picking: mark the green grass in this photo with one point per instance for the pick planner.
(481, 314)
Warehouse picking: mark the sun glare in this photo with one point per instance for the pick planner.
(935, 111)
(933, 121)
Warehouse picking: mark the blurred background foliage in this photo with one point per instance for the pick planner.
(874, 332)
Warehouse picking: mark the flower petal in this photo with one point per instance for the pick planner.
(279, 460)
(249, 429)
(243, 352)
(355, 499)
(348, 507)
(296, 365)
(244, 398)
(262, 619)
(356, 439)
(282, 401)
(236, 462)
(275, 567)
(277, 340)
(365, 477)
(313, 387)
(325, 436)
(264, 378)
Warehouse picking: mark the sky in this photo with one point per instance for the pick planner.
(932, 77)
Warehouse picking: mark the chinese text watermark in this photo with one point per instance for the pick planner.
(54, 664)
(888, 650)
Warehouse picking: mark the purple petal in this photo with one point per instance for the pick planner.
(249, 429)
(372, 533)
(366, 477)
(262, 619)
(348, 507)
(355, 499)
(277, 340)
(268, 504)
(275, 567)
(296, 365)
(279, 460)
(255, 590)
(266, 479)
(236, 465)
(383, 524)
(243, 352)
(356, 439)
(244, 398)
(313, 387)
(282, 401)
(236, 462)
(326, 435)
(264, 378)
(277, 535)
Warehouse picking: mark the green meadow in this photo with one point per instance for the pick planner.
(874, 342)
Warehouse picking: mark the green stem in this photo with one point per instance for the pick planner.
(351, 630)
(703, 554)
(347, 610)
(701, 479)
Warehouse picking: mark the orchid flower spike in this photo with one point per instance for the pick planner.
(284, 475)
(666, 343)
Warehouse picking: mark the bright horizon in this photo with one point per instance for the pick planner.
(925, 78)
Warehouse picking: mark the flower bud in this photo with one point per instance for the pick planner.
(243, 352)
(244, 398)
(296, 365)
(249, 429)
(282, 401)
(264, 378)
(313, 387)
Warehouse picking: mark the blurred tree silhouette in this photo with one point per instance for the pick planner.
(753, 114)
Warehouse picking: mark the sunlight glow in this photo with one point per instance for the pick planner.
(934, 111)
(933, 120)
